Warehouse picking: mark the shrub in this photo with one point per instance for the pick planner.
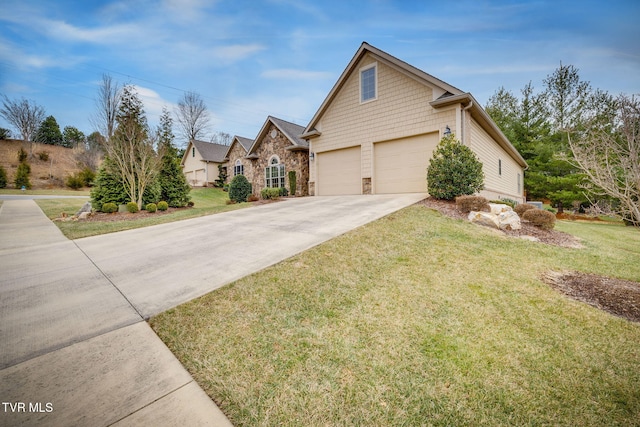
(292, 182)
(132, 207)
(87, 176)
(253, 198)
(74, 182)
(22, 155)
(151, 207)
(454, 170)
(225, 187)
(509, 202)
(270, 193)
(522, 208)
(22, 176)
(163, 206)
(239, 189)
(471, 203)
(44, 156)
(543, 219)
(3, 178)
(109, 207)
(283, 192)
(222, 177)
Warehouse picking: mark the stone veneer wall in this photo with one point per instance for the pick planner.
(293, 160)
(238, 152)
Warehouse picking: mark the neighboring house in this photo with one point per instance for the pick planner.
(277, 150)
(200, 162)
(377, 128)
(236, 158)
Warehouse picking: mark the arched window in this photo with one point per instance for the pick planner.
(238, 168)
(274, 173)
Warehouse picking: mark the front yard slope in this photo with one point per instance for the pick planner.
(416, 319)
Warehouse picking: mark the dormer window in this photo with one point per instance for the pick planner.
(368, 83)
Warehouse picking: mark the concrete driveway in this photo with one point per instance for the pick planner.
(71, 312)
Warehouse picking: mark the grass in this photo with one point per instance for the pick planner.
(207, 201)
(40, 192)
(417, 319)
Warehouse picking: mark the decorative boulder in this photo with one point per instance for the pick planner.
(509, 220)
(497, 208)
(84, 215)
(85, 208)
(484, 218)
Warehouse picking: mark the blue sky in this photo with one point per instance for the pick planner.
(249, 59)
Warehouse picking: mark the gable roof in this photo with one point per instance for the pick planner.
(292, 131)
(245, 143)
(381, 56)
(209, 151)
(448, 95)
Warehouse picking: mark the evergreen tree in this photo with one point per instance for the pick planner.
(454, 170)
(49, 132)
(22, 176)
(173, 185)
(3, 178)
(72, 137)
(108, 186)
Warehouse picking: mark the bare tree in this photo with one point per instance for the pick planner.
(26, 116)
(222, 138)
(131, 148)
(610, 157)
(192, 117)
(107, 103)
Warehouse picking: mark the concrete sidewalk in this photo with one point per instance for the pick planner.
(74, 351)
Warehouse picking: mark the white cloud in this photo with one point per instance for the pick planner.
(236, 52)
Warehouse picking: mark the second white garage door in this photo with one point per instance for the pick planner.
(400, 166)
(339, 172)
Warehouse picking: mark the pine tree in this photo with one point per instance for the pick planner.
(454, 170)
(174, 188)
(49, 132)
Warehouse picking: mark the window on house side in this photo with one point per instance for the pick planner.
(368, 84)
(499, 167)
(193, 151)
(519, 185)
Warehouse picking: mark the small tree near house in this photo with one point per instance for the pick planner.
(454, 170)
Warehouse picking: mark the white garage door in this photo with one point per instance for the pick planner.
(400, 166)
(338, 172)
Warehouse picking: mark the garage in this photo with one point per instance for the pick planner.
(400, 166)
(339, 172)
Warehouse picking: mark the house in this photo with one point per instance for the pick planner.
(378, 126)
(277, 151)
(200, 162)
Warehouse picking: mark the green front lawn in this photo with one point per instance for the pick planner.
(417, 319)
(207, 201)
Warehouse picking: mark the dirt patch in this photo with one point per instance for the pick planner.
(550, 237)
(616, 296)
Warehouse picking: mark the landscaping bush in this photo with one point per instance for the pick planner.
(540, 218)
(3, 178)
(22, 155)
(283, 192)
(75, 182)
(292, 182)
(151, 207)
(132, 207)
(454, 170)
(225, 188)
(253, 198)
(44, 156)
(467, 204)
(109, 207)
(270, 193)
(239, 189)
(163, 206)
(87, 176)
(522, 208)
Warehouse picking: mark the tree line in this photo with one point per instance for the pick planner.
(581, 143)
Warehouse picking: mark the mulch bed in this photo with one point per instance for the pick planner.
(550, 237)
(616, 296)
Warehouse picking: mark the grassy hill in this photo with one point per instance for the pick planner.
(49, 173)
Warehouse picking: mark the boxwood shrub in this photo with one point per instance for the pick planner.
(151, 207)
(467, 204)
(540, 218)
(109, 207)
(163, 206)
(522, 208)
(239, 189)
(132, 207)
(270, 193)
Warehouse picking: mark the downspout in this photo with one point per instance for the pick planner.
(463, 121)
